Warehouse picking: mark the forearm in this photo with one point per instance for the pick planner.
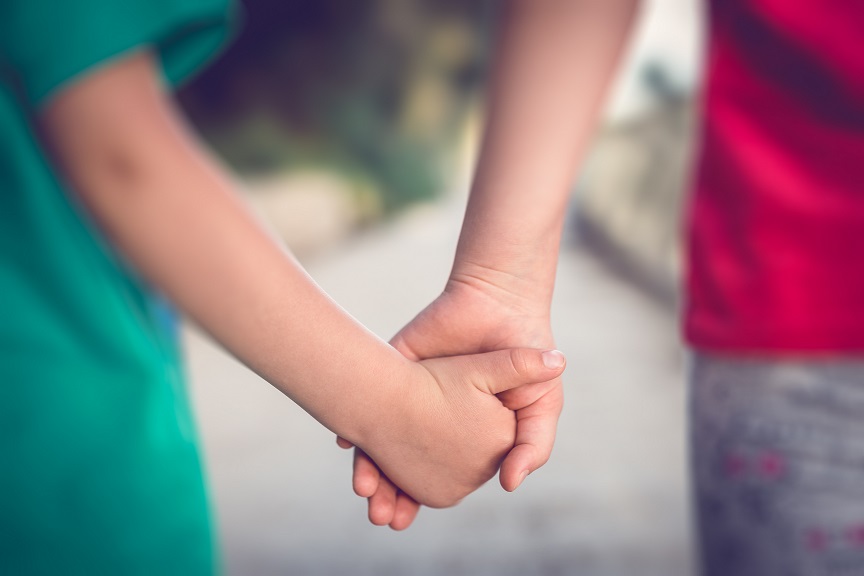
(190, 235)
(553, 63)
(175, 216)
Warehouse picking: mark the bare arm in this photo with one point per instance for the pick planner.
(554, 61)
(174, 215)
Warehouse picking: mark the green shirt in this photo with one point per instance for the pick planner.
(99, 465)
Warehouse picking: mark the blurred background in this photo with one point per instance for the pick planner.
(354, 126)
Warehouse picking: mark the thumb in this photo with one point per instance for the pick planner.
(496, 372)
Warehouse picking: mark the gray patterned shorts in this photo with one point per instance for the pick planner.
(777, 451)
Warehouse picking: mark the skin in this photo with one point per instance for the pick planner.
(554, 61)
(435, 427)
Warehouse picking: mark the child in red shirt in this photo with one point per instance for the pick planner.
(775, 289)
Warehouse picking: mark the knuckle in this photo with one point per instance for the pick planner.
(520, 363)
(503, 437)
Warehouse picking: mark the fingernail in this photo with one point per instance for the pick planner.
(553, 359)
(521, 478)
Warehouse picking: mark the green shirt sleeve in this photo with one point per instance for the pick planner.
(49, 43)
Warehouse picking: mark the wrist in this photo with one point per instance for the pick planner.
(513, 258)
(385, 410)
(516, 285)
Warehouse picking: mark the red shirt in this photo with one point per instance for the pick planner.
(776, 228)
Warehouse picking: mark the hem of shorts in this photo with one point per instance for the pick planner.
(777, 344)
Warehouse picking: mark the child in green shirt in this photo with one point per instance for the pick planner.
(101, 472)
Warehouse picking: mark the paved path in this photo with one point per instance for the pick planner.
(611, 502)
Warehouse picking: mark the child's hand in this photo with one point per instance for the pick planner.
(448, 431)
(504, 270)
(467, 319)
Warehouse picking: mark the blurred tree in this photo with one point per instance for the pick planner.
(375, 89)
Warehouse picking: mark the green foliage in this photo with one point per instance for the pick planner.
(375, 90)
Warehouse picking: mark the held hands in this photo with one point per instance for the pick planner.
(474, 316)
(446, 431)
